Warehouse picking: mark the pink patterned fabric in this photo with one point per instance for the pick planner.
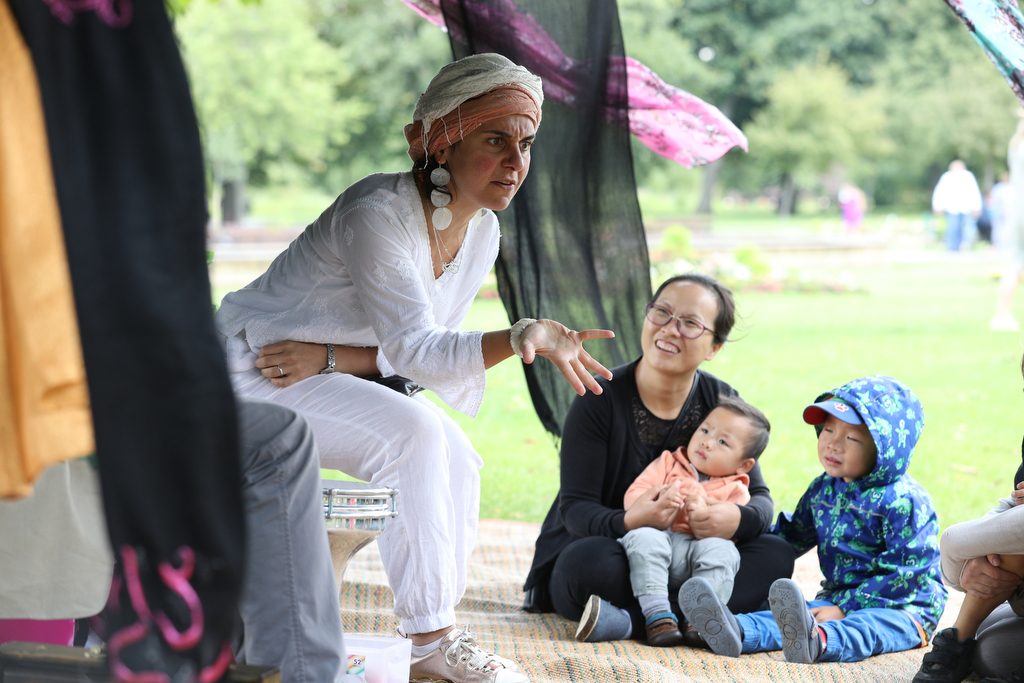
(128, 599)
(675, 124)
(51, 632)
(672, 122)
(113, 13)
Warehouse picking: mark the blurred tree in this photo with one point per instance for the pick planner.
(938, 94)
(803, 131)
(318, 91)
(392, 54)
(946, 100)
(725, 51)
(266, 89)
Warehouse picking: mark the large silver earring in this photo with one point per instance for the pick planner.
(440, 197)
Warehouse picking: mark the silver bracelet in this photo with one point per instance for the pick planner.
(516, 334)
(330, 361)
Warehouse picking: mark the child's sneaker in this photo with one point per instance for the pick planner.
(603, 621)
(663, 630)
(801, 639)
(712, 619)
(949, 660)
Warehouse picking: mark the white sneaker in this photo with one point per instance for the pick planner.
(458, 659)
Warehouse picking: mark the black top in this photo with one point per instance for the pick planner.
(602, 453)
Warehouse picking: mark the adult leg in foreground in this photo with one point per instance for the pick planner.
(373, 433)
(290, 612)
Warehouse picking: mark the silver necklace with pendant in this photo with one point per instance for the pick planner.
(449, 266)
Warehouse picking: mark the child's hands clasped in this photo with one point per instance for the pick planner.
(719, 520)
(696, 501)
(656, 507)
(1018, 494)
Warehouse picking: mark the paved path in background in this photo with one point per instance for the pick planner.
(240, 254)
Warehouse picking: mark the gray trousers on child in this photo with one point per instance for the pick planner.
(661, 561)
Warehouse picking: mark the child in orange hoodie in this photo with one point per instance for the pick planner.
(712, 469)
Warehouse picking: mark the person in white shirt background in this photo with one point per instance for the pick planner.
(958, 197)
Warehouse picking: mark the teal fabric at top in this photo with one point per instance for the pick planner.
(999, 26)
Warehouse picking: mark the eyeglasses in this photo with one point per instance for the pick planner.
(690, 328)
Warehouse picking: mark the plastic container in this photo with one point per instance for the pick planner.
(378, 659)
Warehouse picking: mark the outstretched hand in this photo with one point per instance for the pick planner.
(564, 347)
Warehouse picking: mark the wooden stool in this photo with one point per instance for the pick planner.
(345, 543)
(355, 513)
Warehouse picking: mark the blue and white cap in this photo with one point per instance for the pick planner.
(817, 413)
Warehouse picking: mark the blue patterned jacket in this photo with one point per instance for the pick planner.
(877, 536)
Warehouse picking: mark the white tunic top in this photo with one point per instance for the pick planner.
(957, 192)
(361, 275)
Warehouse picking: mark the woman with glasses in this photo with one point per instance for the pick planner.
(650, 405)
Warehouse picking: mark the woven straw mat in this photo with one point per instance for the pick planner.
(543, 645)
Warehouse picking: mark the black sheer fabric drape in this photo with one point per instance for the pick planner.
(573, 247)
(128, 171)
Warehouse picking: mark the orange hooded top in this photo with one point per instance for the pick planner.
(676, 466)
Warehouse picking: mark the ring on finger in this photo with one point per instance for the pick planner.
(280, 371)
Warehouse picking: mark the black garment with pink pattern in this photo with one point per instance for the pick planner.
(128, 170)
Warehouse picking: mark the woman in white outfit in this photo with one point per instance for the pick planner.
(380, 284)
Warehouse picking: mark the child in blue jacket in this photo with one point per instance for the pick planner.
(876, 533)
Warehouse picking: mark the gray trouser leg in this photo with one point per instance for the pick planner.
(650, 553)
(290, 611)
(714, 559)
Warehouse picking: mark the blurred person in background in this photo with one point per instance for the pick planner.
(958, 197)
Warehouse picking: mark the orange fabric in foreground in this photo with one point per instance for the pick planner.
(44, 402)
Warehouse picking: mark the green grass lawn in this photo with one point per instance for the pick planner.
(923, 322)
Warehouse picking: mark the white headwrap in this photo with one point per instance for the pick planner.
(466, 79)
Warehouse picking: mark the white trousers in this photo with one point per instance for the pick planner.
(378, 435)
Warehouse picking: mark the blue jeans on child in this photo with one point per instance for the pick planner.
(862, 634)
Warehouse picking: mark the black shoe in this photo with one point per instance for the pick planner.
(949, 661)
(1012, 677)
(691, 637)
